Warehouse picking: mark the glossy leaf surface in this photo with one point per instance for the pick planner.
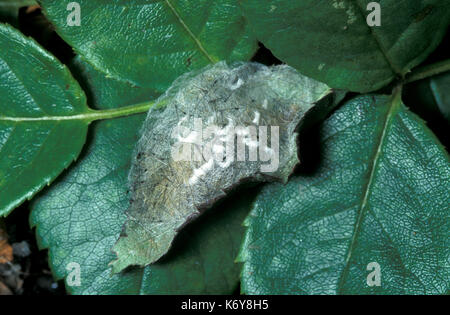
(42, 122)
(151, 43)
(331, 41)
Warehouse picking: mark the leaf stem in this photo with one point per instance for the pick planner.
(428, 71)
(93, 115)
(120, 112)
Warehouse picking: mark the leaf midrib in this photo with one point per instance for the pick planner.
(188, 30)
(394, 103)
(90, 115)
(394, 69)
(120, 77)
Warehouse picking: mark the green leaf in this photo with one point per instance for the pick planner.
(187, 159)
(151, 43)
(332, 42)
(440, 86)
(42, 125)
(430, 99)
(9, 10)
(80, 217)
(379, 194)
